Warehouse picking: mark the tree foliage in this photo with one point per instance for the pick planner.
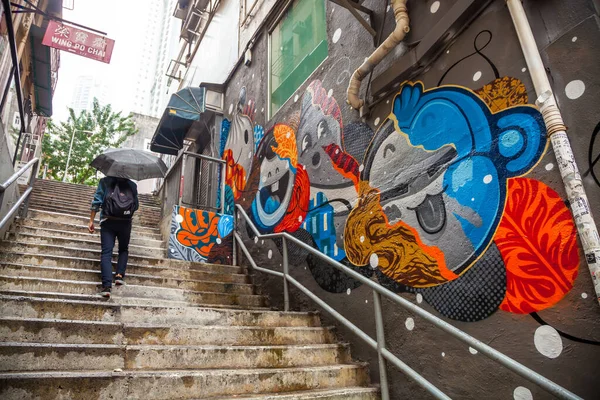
(109, 129)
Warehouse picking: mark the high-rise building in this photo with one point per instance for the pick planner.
(158, 43)
(88, 87)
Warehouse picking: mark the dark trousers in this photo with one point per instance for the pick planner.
(110, 230)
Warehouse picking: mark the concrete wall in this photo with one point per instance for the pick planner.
(447, 193)
(146, 126)
(6, 170)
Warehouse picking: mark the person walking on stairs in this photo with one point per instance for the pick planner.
(118, 198)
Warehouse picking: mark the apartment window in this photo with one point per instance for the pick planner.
(297, 45)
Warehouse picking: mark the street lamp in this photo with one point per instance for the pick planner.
(70, 149)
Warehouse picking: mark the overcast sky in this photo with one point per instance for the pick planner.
(122, 21)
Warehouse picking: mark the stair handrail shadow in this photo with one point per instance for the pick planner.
(379, 343)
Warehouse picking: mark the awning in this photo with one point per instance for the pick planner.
(183, 109)
(41, 68)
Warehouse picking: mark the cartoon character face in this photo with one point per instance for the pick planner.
(277, 177)
(320, 125)
(239, 148)
(441, 163)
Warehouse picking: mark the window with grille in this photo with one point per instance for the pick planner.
(298, 44)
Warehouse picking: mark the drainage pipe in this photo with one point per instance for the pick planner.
(402, 28)
(556, 130)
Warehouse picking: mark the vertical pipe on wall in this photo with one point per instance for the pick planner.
(586, 227)
(383, 382)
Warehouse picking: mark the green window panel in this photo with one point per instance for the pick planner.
(298, 46)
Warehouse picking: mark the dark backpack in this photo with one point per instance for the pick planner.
(119, 202)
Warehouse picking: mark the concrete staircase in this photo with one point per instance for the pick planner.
(177, 330)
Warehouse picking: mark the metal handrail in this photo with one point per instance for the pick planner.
(24, 197)
(379, 344)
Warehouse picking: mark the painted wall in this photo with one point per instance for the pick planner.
(200, 236)
(448, 193)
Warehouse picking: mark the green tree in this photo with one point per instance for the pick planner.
(109, 129)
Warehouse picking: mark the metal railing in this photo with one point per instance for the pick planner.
(169, 197)
(378, 344)
(24, 199)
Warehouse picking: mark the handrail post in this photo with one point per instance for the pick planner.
(181, 178)
(236, 220)
(286, 294)
(30, 183)
(385, 393)
(223, 169)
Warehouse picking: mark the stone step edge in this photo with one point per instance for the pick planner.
(305, 394)
(17, 242)
(42, 195)
(141, 276)
(97, 284)
(129, 264)
(20, 222)
(126, 325)
(84, 235)
(31, 235)
(183, 372)
(109, 304)
(76, 216)
(127, 301)
(26, 345)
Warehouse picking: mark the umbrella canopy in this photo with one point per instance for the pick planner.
(183, 109)
(130, 163)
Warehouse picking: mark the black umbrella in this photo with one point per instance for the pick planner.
(130, 163)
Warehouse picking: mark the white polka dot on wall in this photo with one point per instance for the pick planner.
(547, 341)
(522, 393)
(348, 291)
(472, 350)
(295, 98)
(435, 6)
(575, 89)
(336, 35)
(179, 218)
(230, 108)
(330, 92)
(377, 121)
(419, 298)
(443, 354)
(549, 167)
(255, 239)
(574, 39)
(523, 69)
(367, 301)
(409, 323)
(362, 239)
(374, 260)
(389, 8)
(584, 295)
(262, 110)
(270, 254)
(218, 240)
(476, 76)
(361, 168)
(487, 179)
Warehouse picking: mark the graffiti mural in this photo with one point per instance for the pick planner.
(433, 202)
(200, 236)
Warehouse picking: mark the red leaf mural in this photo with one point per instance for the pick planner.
(343, 163)
(536, 238)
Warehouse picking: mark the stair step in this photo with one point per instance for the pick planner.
(63, 200)
(21, 247)
(32, 307)
(80, 232)
(83, 213)
(17, 356)
(206, 272)
(39, 330)
(35, 271)
(66, 218)
(8, 282)
(350, 393)
(84, 243)
(154, 385)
